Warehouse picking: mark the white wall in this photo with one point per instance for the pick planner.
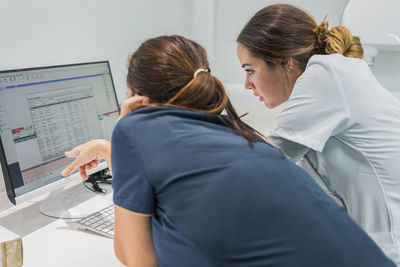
(54, 32)
(387, 70)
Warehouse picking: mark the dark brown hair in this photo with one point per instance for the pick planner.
(278, 32)
(163, 68)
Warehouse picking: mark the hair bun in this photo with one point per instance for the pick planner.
(341, 41)
(337, 40)
(321, 32)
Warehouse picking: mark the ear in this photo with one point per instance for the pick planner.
(145, 100)
(129, 92)
(288, 64)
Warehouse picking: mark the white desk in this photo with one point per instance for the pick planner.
(57, 242)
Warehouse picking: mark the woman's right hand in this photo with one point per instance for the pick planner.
(87, 156)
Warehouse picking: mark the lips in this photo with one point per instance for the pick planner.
(260, 97)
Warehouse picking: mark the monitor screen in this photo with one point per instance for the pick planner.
(49, 110)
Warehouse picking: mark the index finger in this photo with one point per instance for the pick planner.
(70, 168)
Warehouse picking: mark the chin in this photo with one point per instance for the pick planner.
(269, 105)
(273, 104)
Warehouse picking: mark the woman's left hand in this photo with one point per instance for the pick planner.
(131, 104)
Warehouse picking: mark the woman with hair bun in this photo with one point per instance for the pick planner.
(335, 116)
(193, 187)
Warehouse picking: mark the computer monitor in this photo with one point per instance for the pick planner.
(44, 112)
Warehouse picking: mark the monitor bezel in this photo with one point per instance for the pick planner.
(3, 160)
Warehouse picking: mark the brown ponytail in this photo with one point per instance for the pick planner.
(163, 69)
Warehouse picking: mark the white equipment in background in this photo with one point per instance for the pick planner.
(377, 23)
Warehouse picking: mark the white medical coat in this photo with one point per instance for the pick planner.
(348, 127)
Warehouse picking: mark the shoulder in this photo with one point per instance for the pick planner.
(333, 60)
(319, 78)
(163, 119)
(164, 114)
(140, 114)
(155, 128)
(317, 98)
(148, 117)
(320, 68)
(135, 125)
(334, 65)
(331, 73)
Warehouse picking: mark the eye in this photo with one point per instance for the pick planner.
(249, 71)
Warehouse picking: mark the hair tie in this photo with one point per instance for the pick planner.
(321, 32)
(200, 70)
(322, 28)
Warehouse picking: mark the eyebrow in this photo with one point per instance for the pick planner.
(245, 65)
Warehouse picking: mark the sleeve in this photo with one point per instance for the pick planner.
(131, 186)
(292, 150)
(316, 110)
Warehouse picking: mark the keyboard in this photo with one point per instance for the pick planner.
(101, 222)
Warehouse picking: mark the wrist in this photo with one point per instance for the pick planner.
(103, 148)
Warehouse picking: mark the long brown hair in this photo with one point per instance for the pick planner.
(163, 68)
(281, 31)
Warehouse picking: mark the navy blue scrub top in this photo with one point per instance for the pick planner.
(216, 201)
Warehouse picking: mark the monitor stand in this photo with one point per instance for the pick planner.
(65, 204)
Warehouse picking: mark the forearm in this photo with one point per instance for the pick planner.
(133, 240)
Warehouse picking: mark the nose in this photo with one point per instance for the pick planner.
(248, 84)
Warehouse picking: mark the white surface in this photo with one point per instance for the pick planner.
(49, 242)
(377, 23)
(7, 235)
(72, 205)
(387, 69)
(59, 244)
(396, 94)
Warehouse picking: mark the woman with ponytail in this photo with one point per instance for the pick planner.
(193, 187)
(336, 116)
